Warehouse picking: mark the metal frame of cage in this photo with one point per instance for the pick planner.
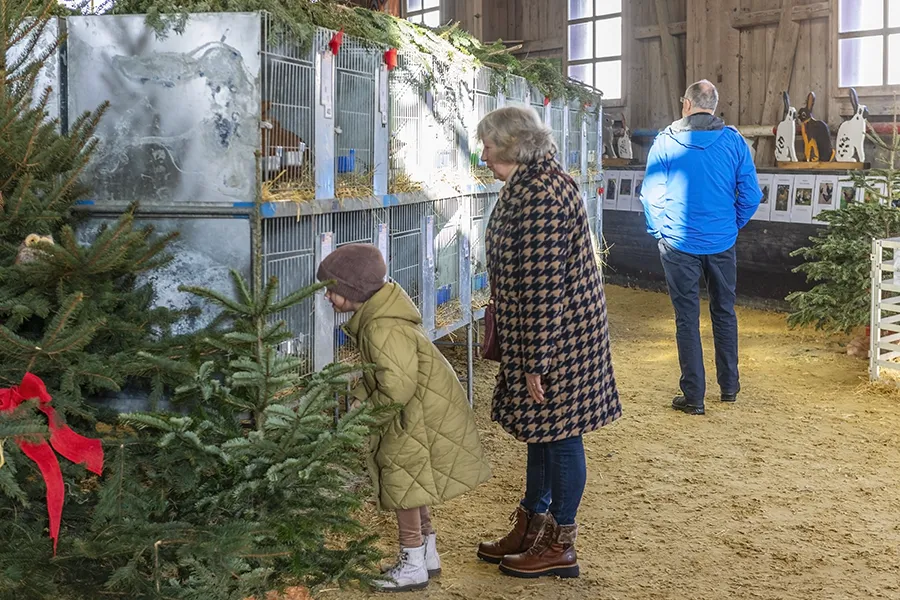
(453, 288)
(288, 84)
(326, 117)
(316, 107)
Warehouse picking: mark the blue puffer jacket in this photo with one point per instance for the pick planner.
(700, 187)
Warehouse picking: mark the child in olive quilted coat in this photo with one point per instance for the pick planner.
(428, 450)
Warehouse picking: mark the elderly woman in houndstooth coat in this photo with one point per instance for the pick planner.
(556, 378)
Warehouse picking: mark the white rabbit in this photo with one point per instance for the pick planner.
(625, 150)
(852, 134)
(785, 149)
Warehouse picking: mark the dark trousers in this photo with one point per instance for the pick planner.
(555, 478)
(683, 274)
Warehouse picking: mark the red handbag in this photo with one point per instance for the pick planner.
(490, 348)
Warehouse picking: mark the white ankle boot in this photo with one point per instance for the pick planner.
(432, 558)
(408, 574)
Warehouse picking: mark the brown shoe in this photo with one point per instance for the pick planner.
(526, 526)
(553, 553)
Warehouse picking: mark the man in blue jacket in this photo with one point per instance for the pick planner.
(699, 190)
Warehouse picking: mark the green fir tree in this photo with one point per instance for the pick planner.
(839, 259)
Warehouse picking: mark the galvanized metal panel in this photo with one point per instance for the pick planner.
(50, 75)
(183, 123)
(324, 316)
(203, 255)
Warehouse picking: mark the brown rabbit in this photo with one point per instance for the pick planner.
(816, 137)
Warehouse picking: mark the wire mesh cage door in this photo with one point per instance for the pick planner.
(357, 68)
(408, 167)
(356, 227)
(485, 103)
(517, 92)
(289, 253)
(288, 88)
(557, 124)
(448, 138)
(405, 243)
(538, 102)
(592, 126)
(480, 211)
(450, 222)
(574, 140)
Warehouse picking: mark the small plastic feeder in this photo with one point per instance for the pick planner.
(294, 158)
(347, 164)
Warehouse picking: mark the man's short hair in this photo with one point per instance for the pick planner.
(703, 94)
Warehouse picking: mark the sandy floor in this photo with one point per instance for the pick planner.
(790, 493)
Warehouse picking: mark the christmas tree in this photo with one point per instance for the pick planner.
(839, 259)
(252, 486)
(257, 489)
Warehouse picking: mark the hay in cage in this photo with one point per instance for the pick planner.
(483, 175)
(448, 314)
(480, 298)
(354, 185)
(278, 190)
(402, 183)
(349, 355)
(575, 172)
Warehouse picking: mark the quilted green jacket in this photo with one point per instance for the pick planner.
(429, 451)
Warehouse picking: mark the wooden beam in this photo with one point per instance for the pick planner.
(538, 46)
(729, 66)
(695, 52)
(652, 31)
(673, 64)
(761, 18)
(779, 78)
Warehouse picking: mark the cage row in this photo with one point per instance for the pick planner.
(236, 104)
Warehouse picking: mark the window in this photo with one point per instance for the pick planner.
(595, 45)
(868, 43)
(424, 12)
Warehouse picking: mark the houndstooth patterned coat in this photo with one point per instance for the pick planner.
(551, 310)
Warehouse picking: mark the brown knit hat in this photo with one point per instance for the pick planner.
(358, 269)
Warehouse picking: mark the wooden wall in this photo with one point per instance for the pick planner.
(745, 47)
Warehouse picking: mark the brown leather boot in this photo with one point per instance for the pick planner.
(526, 526)
(553, 553)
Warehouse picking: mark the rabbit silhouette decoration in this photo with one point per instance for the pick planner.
(852, 133)
(785, 149)
(625, 149)
(609, 145)
(816, 137)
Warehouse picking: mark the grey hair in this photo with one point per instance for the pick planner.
(703, 94)
(519, 134)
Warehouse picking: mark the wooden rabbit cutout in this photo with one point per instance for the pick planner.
(816, 137)
(785, 149)
(852, 134)
(625, 149)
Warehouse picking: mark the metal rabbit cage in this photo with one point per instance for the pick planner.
(334, 146)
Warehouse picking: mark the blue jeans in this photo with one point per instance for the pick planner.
(683, 274)
(555, 478)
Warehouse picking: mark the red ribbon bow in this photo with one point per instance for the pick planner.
(76, 448)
